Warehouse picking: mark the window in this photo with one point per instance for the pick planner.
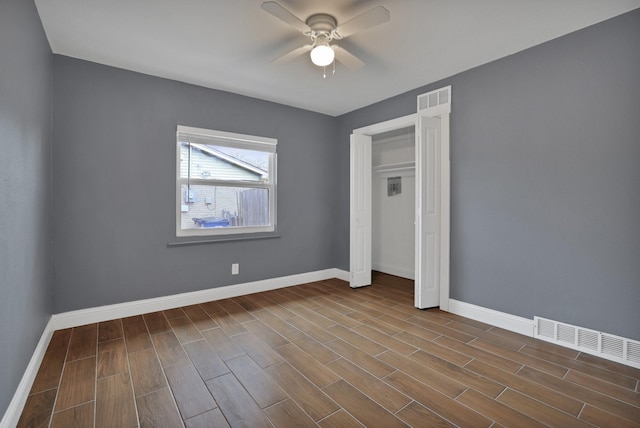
(225, 183)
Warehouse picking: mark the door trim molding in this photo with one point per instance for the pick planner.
(387, 125)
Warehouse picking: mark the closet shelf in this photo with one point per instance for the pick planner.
(400, 166)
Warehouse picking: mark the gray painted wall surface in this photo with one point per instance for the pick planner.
(114, 174)
(25, 177)
(545, 148)
(545, 205)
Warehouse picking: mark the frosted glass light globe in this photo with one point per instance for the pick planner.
(322, 55)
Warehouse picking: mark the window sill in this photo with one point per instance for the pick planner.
(227, 238)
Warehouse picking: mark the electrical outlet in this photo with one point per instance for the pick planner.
(235, 268)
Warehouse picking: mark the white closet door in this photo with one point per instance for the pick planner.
(360, 211)
(428, 152)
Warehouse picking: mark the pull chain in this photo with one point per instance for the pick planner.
(324, 70)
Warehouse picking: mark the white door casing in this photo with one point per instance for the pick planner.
(360, 211)
(428, 212)
(445, 209)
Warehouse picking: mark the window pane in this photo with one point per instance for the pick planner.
(211, 162)
(209, 207)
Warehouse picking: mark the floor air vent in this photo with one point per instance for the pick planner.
(615, 348)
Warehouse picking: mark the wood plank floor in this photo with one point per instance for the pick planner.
(321, 354)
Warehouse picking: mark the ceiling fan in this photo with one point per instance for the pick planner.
(323, 29)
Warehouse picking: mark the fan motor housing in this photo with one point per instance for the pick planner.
(322, 23)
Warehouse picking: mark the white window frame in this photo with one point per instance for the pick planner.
(233, 140)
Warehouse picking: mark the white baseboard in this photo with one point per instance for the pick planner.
(139, 307)
(342, 274)
(120, 310)
(498, 319)
(12, 415)
(395, 270)
(604, 345)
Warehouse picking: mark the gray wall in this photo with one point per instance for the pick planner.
(545, 155)
(25, 177)
(114, 174)
(545, 201)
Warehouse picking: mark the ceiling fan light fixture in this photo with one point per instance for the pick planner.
(322, 55)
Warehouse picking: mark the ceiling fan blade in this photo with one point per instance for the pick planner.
(284, 15)
(376, 16)
(349, 60)
(291, 55)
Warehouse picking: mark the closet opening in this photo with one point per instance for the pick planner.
(393, 202)
(387, 246)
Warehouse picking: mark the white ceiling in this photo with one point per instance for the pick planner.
(228, 44)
